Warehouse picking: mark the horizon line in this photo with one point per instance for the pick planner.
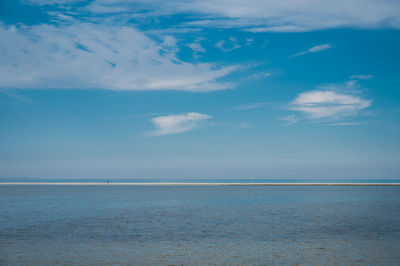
(197, 184)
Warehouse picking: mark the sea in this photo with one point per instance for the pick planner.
(199, 225)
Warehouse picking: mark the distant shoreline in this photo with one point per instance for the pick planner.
(194, 184)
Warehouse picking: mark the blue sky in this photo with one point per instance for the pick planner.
(200, 89)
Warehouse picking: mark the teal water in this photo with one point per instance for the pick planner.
(125, 225)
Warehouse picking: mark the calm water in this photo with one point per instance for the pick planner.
(100, 225)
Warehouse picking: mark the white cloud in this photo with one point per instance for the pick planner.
(196, 47)
(363, 77)
(249, 106)
(270, 16)
(302, 15)
(328, 104)
(319, 48)
(347, 124)
(351, 86)
(169, 41)
(228, 45)
(261, 75)
(50, 2)
(173, 124)
(290, 119)
(249, 41)
(92, 56)
(315, 49)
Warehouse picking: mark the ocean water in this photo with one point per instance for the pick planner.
(193, 225)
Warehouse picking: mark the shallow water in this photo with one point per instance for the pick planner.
(105, 225)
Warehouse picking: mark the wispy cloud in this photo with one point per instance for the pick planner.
(197, 47)
(314, 49)
(243, 125)
(232, 43)
(51, 2)
(249, 41)
(173, 124)
(15, 94)
(351, 86)
(319, 104)
(346, 124)
(249, 106)
(290, 119)
(265, 16)
(81, 55)
(362, 77)
(228, 45)
(261, 75)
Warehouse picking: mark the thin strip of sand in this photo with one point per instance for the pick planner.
(195, 184)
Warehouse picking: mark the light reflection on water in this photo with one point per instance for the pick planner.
(100, 225)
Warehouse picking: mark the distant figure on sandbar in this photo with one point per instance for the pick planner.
(108, 181)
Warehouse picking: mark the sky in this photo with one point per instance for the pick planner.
(290, 89)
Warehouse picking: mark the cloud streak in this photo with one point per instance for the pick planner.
(173, 124)
(197, 47)
(227, 46)
(347, 124)
(361, 77)
(267, 16)
(95, 56)
(250, 106)
(314, 49)
(290, 119)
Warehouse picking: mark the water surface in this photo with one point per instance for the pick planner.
(103, 225)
